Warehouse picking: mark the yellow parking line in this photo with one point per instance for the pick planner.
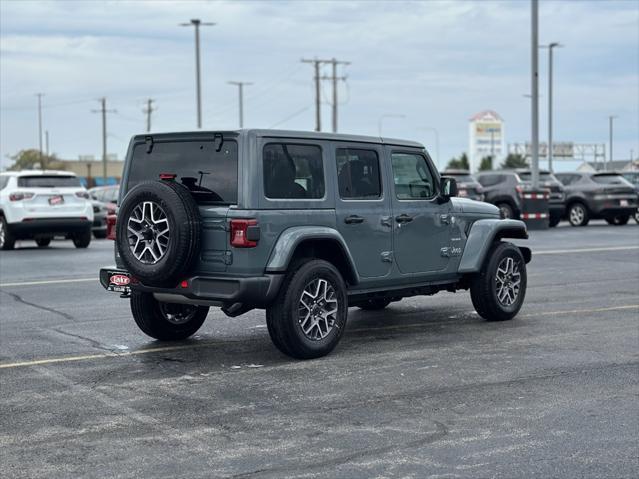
(68, 359)
(584, 250)
(48, 281)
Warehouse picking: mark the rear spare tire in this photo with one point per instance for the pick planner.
(158, 232)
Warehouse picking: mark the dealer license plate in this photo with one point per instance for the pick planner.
(623, 202)
(56, 200)
(119, 282)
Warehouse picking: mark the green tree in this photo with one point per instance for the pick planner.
(514, 160)
(460, 163)
(30, 160)
(486, 163)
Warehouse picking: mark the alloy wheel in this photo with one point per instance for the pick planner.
(507, 281)
(148, 232)
(577, 215)
(317, 309)
(2, 234)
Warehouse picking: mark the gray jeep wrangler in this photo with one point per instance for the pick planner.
(303, 225)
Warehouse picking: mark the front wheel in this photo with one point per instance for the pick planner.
(554, 220)
(308, 317)
(498, 290)
(166, 321)
(7, 240)
(636, 216)
(506, 211)
(618, 220)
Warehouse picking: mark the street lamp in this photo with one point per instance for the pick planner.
(550, 48)
(196, 22)
(387, 115)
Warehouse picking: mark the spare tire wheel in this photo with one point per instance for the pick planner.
(158, 232)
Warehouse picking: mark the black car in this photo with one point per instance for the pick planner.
(467, 185)
(606, 195)
(633, 177)
(506, 190)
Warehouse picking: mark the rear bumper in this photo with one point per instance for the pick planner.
(234, 293)
(29, 228)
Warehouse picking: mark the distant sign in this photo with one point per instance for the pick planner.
(559, 150)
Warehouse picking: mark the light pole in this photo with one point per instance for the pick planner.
(610, 125)
(40, 95)
(434, 130)
(380, 120)
(240, 86)
(534, 72)
(196, 22)
(550, 64)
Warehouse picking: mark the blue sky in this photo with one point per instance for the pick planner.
(435, 62)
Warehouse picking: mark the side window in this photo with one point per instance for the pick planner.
(293, 171)
(412, 177)
(488, 180)
(3, 182)
(358, 174)
(97, 194)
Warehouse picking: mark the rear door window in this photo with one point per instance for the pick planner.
(48, 181)
(358, 174)
(293, 171)
(209, 174)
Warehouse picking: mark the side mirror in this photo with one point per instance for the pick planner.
(448, 187)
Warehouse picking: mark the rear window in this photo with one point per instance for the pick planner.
(211, 175)
(293, 171)
(609, 180)
(51, 181)
(632, 177)
(527, 176)
(460, 178)
(489, 180)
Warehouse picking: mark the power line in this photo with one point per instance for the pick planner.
(291, 116)
(103, 110)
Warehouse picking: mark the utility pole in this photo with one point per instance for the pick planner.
(46, 141)
(104, 111)
(147, 111)
(240, 86)
(535, 92)
(197, 23)
(334, 78)
(610, 125)
(318, 112)
(40, 95)
(550, 65)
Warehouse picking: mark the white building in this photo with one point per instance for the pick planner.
(486, 138)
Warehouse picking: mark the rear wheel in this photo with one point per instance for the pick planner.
(578, 214)
(7, 240)
(308, 317)
(374, 304)
(618, 220)
(82, 240)
(166, 321)
(554, 220)
(43, 242)
(636, 216)
(498, 290)
(506, 211)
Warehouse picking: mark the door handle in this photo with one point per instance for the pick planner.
(445, 219)
(353, 219)
(403, 218)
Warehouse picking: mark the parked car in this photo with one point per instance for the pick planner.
(606, 195)
(104, 200)
(42, 204)
(467, 185)
(303, 225)
(506, 190)
(633, 178)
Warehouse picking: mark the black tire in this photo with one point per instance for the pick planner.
(483, 286)
(182, 244)
(618, 220)
(82, 240)
(506, 211)
(152, 317)
(375, 304)
(636, 216)
(282, 317)
(578, 214)
(100, 234)
(7, 240)
(554, 220)
(43, 242)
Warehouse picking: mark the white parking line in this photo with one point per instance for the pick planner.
(48, 281)
(584, 250)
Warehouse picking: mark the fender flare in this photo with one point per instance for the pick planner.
(482, 235)
(291, 238)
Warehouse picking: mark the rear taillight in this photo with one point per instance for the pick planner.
(20, 195)
(519, 189)
(110, 221)
(244, 233)
(82, 194)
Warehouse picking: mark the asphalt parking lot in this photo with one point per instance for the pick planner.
(423, 389)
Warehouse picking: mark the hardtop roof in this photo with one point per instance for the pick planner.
(38, 173)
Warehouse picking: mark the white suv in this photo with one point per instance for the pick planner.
(40, 204)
